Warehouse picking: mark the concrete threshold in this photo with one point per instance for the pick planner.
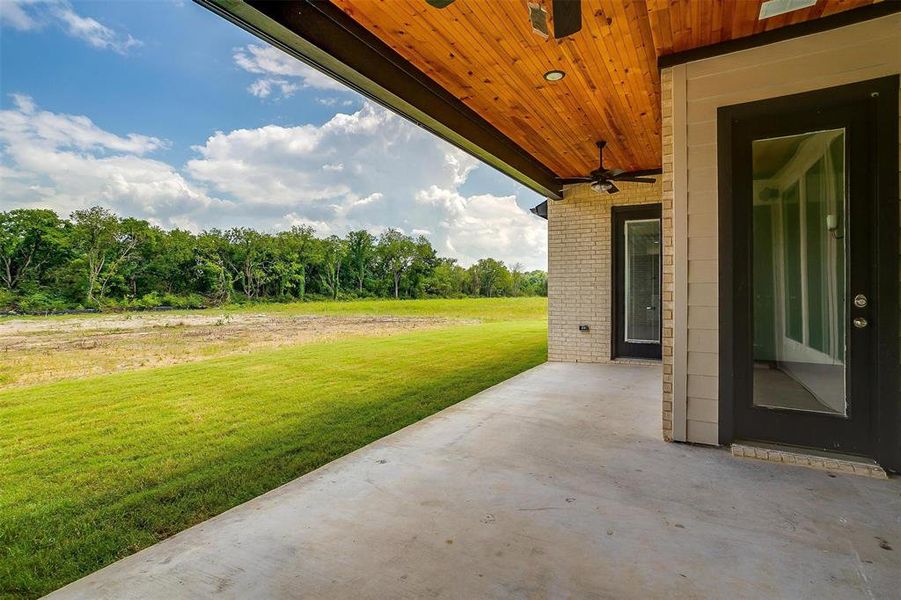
(833, 462)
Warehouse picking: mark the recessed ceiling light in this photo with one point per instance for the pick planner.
(554, 75)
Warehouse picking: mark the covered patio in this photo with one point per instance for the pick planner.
(554, 483)
(638, 121)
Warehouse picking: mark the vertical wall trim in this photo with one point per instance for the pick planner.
(680, 254)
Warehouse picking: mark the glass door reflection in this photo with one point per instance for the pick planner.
(642, 281)
(799, 255)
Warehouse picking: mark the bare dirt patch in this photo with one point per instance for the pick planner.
(43, 350)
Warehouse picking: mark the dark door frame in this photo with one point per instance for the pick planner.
(618, 347)
(879, 97)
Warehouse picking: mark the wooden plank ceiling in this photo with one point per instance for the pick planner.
(487, 55)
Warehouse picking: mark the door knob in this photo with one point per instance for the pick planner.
(860, 322)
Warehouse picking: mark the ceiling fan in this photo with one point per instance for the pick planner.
(602, 179)
(567, 15)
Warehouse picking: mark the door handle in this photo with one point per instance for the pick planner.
(860, 322)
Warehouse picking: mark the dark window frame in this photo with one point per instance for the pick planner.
(618, 215)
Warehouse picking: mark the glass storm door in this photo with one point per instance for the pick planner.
(637, 303)
(799, 257)
(808, 347)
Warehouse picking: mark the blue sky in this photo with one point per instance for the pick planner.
(164, 111)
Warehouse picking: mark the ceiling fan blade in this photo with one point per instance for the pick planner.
(606, 173)
(580, 178)
(635, 179)
(567, 17)
(439, 3)
(612, 189)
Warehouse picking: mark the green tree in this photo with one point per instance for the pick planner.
(213, 259)
(246, 259)
(424, 260)
(446, 279)
(291, 260)
(332, 252)
(535, 283)
(30, 241)
(95, 257)
(104, 243)
(174, 263)
(490, 277)
(517, 280)
(136, 274)
(360, 254)
(396, 253)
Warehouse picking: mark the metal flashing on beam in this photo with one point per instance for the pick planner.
(325, 38)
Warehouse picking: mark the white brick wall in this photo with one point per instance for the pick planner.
(580, 271)
(668, 305)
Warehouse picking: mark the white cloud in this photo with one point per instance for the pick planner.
(371, 198)
(369, 169)
(330, 167)
(13, 14)
(93, 32)
(295, 220)
(262, 88)
(332, 101)
(66, 162)
(281, 73)
(474, 227)
(53, 130)
(24, 103)
(31, 15)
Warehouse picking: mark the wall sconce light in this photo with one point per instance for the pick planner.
(832, 226)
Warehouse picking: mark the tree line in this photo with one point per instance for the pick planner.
(96, 259)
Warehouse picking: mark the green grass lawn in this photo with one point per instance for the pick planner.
(94, 469)
(485, 309)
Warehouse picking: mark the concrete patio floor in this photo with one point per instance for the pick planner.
(553, 484)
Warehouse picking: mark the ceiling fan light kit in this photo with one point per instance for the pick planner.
(604, 186)
(602, 179)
